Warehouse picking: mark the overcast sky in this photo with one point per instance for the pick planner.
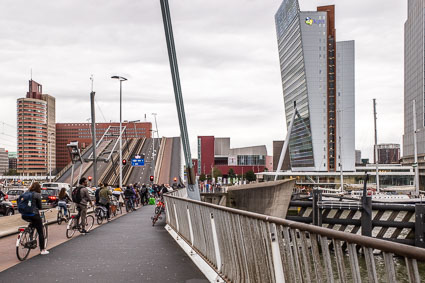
(227, 56)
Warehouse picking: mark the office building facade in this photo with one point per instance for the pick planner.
(36, 136)
(81, 132)
(318, 78)
(414, 80)
(388, 153)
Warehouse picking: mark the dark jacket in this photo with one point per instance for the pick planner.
(36, 203)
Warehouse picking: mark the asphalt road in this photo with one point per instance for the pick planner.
(128, 249)
(175, 161)
(141, 174)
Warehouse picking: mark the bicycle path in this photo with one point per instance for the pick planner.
(128, 249)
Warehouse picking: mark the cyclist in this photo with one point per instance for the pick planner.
(63, 200)
(104, 198)
(34, 217)
(129, 195)
(82, 206)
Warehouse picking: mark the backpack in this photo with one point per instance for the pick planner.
(76, 195)
(25, 205)
(96, 194)
(128, 192)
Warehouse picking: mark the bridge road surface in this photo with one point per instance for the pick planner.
(128, 249)
(141, 174)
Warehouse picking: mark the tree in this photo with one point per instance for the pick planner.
(250, 176)
(216, 172)
(202, 177)
(231, 173)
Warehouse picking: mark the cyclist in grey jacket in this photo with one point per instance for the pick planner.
(85, 199)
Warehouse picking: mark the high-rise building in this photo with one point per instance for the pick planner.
(388, 153)
(318, 77)
(4, 161)
(414, 80)
(81, 132)
(36, 113)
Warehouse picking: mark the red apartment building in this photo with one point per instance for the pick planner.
(81, 132)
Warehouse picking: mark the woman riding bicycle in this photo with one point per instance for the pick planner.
(34, 217)
(63, 200)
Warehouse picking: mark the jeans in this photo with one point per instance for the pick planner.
(65, 209)
(38, 225)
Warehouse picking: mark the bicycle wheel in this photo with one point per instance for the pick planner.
(89, 222)
(127, 207)
(23, 245)
(157, 210)
(70, 229)
(46, 235)
(99, 218)
(60, 216)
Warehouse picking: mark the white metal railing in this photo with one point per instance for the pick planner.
(244, 246)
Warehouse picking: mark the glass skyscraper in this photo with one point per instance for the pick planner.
(318, 77)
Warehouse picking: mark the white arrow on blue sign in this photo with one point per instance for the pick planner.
(138, 162)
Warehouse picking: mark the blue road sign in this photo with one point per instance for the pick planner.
(138, 162)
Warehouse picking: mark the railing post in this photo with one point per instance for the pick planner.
(215, 240)
(366, 219)
(277, 260)
(190, 225)
(177, 220)
(317, 214)
(420, 225)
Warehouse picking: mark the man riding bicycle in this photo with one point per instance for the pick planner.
(82, 200)
(104, 198)
(129, 195)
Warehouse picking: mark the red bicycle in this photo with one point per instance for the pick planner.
(159, 209)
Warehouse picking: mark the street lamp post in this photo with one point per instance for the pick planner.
(121, 79)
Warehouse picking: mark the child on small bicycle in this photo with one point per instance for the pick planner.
(63, 200)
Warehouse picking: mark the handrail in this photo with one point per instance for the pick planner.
(244, 246)
(400, 249)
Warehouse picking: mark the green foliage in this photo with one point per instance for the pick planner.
(231, 173)
(216, 172)
(202, 177)
(250, 176)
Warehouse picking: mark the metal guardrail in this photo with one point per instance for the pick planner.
(244, 246)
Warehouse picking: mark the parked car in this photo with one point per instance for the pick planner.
(50, 194)
(6, 208)
(13, 195)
